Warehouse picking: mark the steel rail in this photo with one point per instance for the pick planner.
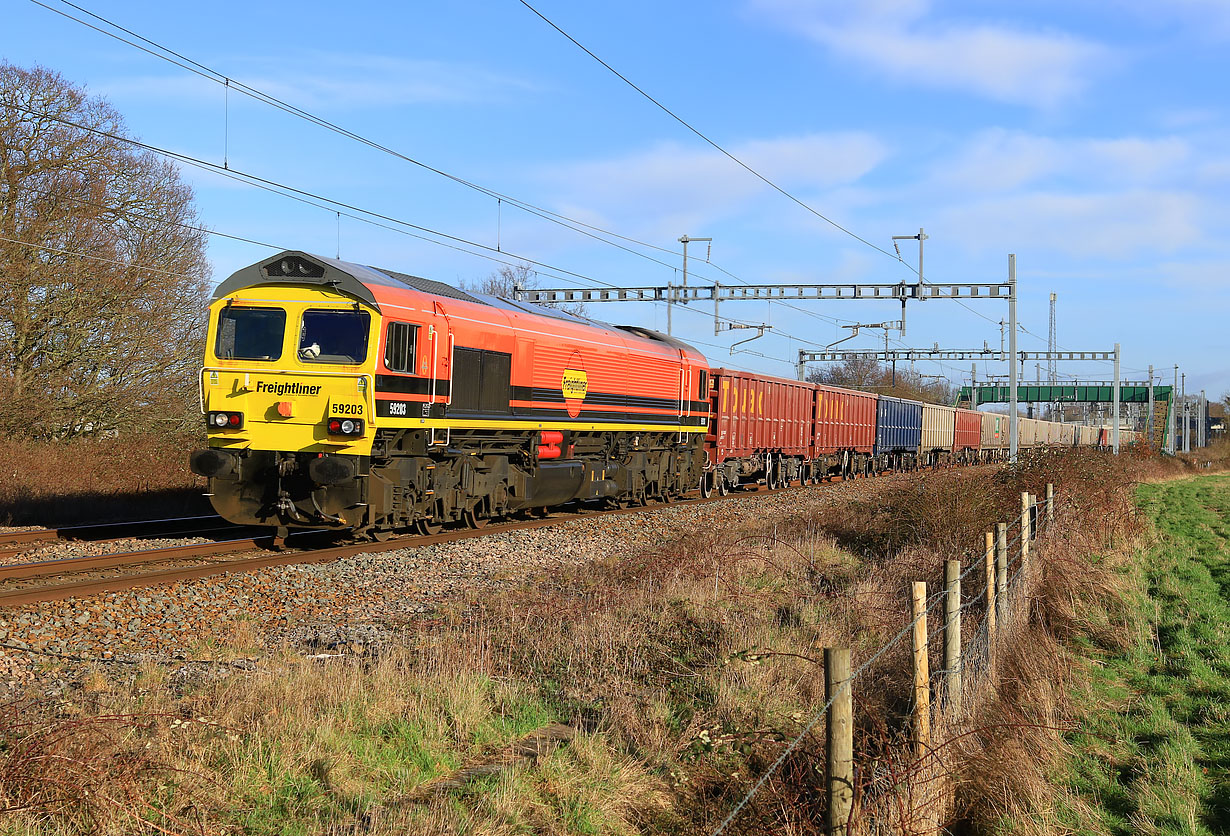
(70, 565)
(104, 531)
(15, 542)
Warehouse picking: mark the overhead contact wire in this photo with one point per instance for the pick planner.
(183, 62)
(705, 138)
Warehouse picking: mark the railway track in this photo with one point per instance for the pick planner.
(55, 580)
(13, 543)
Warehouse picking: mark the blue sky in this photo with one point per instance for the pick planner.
(1091, 140)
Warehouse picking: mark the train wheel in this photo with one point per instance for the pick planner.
(721, 486)
(428, 527)
(475, 519)
(706, 486)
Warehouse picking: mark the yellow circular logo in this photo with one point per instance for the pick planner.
(575, 385)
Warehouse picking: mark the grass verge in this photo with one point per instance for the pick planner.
(1153, 755)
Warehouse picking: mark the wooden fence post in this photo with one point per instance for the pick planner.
(952, 633)
(1026, 532)
(990, 560)
(1050, 502)
(1001, 572)
(840, 738)
(922, 672)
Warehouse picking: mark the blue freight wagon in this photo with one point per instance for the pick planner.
(898, 433)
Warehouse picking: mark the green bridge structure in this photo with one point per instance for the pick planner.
(1101, 391)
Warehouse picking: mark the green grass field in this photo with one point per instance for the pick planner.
(1153, 755)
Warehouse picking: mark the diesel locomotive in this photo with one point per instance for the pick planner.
(341, 396)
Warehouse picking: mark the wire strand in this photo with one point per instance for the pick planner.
(706, 139)
(849, 683)
(180, 60)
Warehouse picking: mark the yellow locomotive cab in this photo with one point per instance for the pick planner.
(287, 398)
(296, 364)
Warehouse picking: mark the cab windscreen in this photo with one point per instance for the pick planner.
(332, 336)
(250, 333)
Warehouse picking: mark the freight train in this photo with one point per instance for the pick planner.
(343, 396)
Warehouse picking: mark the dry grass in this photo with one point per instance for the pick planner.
(682, 670)
(69, 771)
(55, 483)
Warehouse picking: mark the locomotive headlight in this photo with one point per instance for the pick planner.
(294, 266)
(345, 426)
(225, 420)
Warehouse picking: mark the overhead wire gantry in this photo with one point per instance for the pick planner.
(846, 291)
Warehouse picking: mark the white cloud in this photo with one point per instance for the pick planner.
(897, 38)
(680, 188)
(325, 81)
(996, 160)
(1111, 225)
(1214, 170)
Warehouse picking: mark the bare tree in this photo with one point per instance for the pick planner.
(871, 376)
(508, 278)
(103, 276)
(852, 373)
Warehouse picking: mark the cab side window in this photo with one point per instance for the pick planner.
(399, 343)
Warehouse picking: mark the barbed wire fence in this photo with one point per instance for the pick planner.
(996, 583)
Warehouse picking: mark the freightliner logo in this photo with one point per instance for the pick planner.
(286, 388)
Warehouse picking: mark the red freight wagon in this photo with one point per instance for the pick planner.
(760, 428)
(968, 437)
(845, 431)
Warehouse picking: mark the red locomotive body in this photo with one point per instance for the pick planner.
(493, 360)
